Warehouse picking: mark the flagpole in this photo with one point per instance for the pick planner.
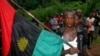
(30, 14)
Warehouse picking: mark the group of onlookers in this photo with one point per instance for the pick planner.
(90, 24)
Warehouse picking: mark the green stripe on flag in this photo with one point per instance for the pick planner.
(48, 44)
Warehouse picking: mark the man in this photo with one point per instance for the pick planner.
(54, 24)
(83, 21)
(97, 23)
(91, 19)
(71, 35)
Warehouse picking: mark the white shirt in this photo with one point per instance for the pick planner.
(91, 20)
(73, 43)
(54, 23)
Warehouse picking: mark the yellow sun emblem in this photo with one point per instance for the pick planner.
(22, 43)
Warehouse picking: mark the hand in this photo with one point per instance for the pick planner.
(73, 50)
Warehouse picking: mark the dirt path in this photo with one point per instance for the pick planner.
(95, 49)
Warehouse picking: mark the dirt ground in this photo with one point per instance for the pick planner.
(95, 49)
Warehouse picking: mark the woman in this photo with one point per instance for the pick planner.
(71, 35)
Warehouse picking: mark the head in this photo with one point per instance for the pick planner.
(92, 14)
(69, 18)
(79, 13)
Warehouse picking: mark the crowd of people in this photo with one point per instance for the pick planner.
(70, 23)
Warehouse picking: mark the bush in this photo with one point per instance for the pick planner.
(43, 13)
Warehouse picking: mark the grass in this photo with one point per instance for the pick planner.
(97, 40)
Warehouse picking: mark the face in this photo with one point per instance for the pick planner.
(92, 14)
(69, 19)
(76, 20)
(79, 14)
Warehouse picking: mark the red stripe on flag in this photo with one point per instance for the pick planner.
(7, 14)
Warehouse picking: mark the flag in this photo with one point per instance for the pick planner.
(21, 37)
(29, 40)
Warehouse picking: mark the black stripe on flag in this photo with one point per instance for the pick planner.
(24, 36)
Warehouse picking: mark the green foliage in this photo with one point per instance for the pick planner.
(24, 14)
(97, 40)
(97, 4)
(48, 8)
(50, 11)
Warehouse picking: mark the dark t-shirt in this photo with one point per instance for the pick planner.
(82, 40)
(82, 31)
(96, 22)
